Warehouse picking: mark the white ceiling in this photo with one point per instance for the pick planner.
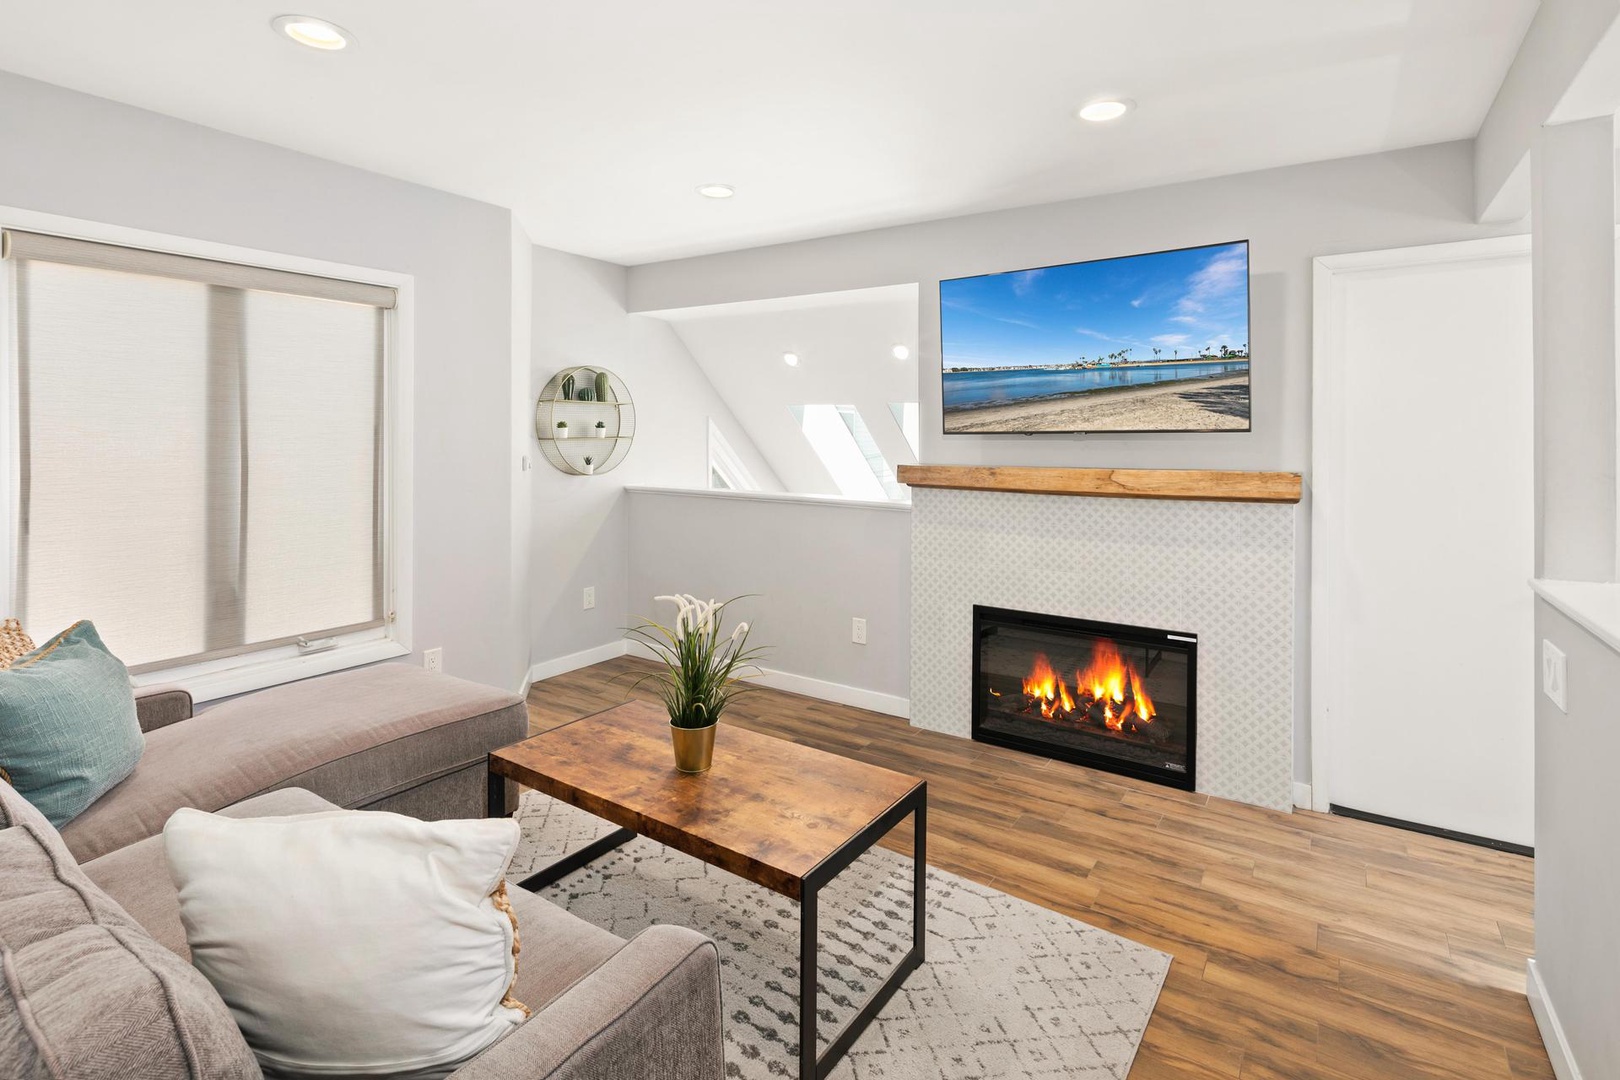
(845, 344)
(595, 121)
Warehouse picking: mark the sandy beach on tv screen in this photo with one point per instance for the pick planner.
(1218, 404)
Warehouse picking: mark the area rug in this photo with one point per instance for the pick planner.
(1009, 989)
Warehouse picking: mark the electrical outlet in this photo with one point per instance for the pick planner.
(590, 597)
(857, 631)
(1554, 675)
(433, 659)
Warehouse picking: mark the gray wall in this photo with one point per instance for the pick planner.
(72, 154)
(1577, 868)
(580, 523)
(812, 566)
(1405, 198)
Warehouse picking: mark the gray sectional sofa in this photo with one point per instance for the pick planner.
(96, 981)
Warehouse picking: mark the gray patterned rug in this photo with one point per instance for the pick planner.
(1009, 990)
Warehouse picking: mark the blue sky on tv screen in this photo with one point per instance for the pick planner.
(1179, 302)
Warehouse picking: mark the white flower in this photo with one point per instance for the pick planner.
(684, 617)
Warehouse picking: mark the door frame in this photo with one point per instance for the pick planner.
(1327, 459)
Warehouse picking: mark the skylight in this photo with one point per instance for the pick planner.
(847, 450)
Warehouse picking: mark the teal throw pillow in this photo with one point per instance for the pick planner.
(68, 730)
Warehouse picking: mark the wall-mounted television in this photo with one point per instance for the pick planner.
(1144, 343)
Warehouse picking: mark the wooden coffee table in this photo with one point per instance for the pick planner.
(775, 813)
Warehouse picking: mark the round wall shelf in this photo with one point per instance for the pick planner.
(607, 403)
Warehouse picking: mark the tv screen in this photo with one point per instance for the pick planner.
(1154, 342)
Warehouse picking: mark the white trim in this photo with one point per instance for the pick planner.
(260, 673)
(859, 697)
(1302, 796)
(821, 689)
(256, 670)
(1552, 1032)
(775, 496)
(1492, 247)
(1592, 605)
(562, 665)
(1327, 456)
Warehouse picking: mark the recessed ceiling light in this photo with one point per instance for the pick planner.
(717, 191)
(791, 359)
(316, 33)
(1099, 112)
(901, 352)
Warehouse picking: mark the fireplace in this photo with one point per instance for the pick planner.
(1110, 696)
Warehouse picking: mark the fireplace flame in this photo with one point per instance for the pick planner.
(1110, 689)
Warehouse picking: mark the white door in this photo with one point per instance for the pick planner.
(1423, 538)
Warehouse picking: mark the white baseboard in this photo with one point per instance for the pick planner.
(889, 704)
(1552, 1032)
(561, 665)
(1302, 795)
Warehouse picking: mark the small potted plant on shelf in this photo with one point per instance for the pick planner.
(562, 429)
(588, 468)
(601, 429)
(703, 669)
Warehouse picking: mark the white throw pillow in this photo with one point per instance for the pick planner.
(351, 943)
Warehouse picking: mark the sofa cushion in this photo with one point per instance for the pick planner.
(354, 738)
(559, 949)
(86, 994)
(137, 876)
(68, 731)
(352, 943)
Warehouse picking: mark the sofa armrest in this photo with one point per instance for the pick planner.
(651, 1010)
(160, 706)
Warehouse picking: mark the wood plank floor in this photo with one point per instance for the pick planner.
(1307, 947)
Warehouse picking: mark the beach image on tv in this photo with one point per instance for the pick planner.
(1146, 343)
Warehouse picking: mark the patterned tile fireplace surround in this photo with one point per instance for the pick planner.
(1223, 570)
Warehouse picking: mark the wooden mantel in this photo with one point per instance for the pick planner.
(1190, 484)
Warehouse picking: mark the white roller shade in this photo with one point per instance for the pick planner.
(199, 458)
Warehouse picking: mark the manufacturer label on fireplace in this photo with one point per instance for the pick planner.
(1175, 766)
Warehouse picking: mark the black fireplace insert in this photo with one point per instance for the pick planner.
(1107, 695)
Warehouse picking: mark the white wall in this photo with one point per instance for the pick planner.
(1290, 215)
(813, 567)
(1575, 177)
(580, 523)
(79, 156)
(1577, 873)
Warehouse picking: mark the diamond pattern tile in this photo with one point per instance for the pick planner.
(1224, 571)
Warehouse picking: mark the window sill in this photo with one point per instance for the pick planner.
(257, 675)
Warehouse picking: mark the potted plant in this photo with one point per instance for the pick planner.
(588, 467)
(562, 429)
(703, 669)
(601, 429)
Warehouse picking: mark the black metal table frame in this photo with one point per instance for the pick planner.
(913, 804)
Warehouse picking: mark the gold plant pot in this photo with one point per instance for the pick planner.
(694, 748)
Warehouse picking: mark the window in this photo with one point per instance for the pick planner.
(199, 451)
(726, 470)
(847, 450)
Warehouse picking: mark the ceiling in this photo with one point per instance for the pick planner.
(595, 122)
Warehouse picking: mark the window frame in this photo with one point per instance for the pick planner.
(259, 668)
